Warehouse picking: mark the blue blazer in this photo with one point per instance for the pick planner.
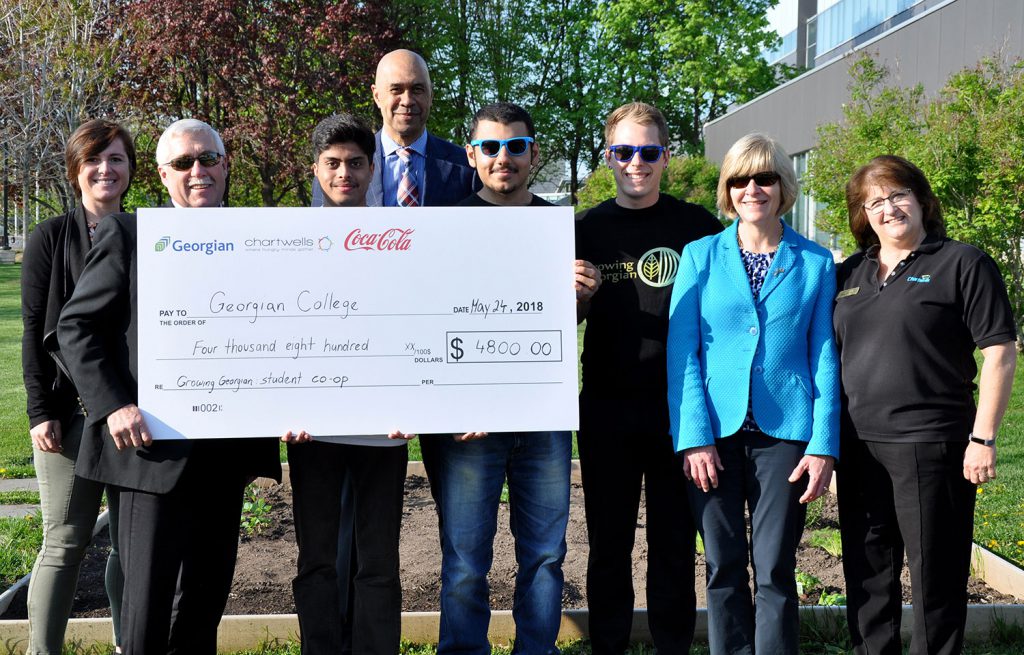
(448, 176)
(723, 347)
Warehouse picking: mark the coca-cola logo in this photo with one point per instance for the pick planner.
(394, 239)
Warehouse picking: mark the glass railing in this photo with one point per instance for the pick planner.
(785, 48)
(850, 18)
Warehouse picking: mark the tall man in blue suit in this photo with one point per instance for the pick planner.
(412, 166)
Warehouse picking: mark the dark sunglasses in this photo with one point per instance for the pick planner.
(760, 179)
(185, 162)
(515, 146)
(649, 153)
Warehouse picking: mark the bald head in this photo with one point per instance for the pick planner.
(403, 94)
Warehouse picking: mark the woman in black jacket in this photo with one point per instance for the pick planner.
(100, 160)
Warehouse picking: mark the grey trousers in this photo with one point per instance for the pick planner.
(69, 505)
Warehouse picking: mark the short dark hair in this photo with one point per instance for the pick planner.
(343, 128)
(90, 139)
(505, 113)
(894, 172)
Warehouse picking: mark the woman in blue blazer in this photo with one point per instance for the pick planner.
(753, 392)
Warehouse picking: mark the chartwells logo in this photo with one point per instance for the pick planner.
(658, 267)
(204, 247)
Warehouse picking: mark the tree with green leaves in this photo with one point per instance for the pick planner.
(690, 58)
(968, 141)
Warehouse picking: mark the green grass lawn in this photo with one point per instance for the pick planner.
(15, 447)
(20, 540)
(999, 513)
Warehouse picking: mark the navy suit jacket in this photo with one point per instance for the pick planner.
(448, 177)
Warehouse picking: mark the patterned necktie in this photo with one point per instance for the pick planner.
(408, 192)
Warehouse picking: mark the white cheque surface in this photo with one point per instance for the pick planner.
(356, 321)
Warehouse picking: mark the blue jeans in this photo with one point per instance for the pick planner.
(537, 467)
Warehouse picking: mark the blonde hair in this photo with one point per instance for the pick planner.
(757, 153)
(637, 112)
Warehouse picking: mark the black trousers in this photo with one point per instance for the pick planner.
(376, 475)
(913, 496)
(186, 538)
(615, 467)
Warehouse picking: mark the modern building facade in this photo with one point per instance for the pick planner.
(919, 41)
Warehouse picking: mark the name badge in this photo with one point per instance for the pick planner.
(848, 292)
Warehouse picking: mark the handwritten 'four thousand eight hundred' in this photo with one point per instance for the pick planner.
(323, 303)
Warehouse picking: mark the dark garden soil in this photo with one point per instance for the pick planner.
(266, 562)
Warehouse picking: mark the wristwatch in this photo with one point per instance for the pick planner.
(983, 442)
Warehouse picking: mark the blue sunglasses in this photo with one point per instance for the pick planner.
(624, 153)
(515, 146)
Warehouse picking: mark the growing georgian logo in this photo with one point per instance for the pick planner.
(658, 267)
(324, 243)
(162, 244)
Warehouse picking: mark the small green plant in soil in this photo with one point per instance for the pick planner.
(806, 583)
(831, 599)
(812, 519)
(255, 511)
(828, 540)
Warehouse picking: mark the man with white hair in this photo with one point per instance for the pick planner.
(180, 500)
(191, 161)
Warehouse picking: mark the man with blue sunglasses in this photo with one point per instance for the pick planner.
(634, 239)
(475, 465)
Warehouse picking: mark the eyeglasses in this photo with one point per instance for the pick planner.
(208, 159)
(876, 206)
(649, 153)
(515, 146)
(760, 179)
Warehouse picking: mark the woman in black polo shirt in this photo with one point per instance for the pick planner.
(911, 308)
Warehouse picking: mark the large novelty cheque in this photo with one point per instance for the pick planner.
(351, 321)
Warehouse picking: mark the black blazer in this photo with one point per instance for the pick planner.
(53, 260)
(98, 335)
(448, 177)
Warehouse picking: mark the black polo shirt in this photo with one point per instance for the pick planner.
(907, 344)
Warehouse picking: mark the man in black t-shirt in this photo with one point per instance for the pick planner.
(634, 240)
(474, 465)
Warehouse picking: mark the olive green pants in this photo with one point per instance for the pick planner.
(69, 505)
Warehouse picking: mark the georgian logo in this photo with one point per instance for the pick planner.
(161, 245)
(658, 267)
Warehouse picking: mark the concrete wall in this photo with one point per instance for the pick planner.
(927, 50)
